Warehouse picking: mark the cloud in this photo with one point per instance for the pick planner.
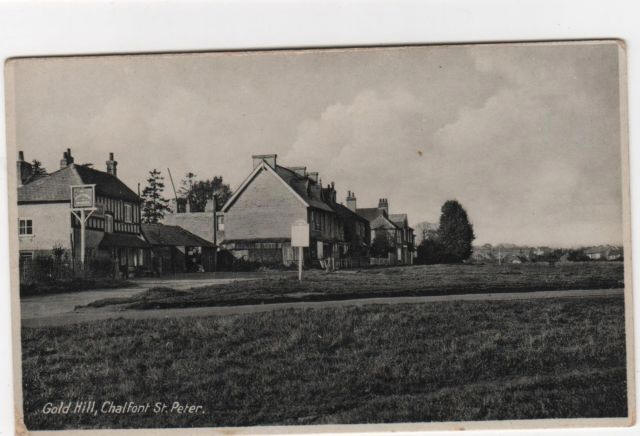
(525, 136)
(536, 161)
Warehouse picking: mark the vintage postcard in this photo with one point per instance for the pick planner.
(322, 240)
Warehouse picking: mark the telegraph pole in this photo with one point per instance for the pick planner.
(175, 194)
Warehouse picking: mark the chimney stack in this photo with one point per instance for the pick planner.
(351, 201)
(384, 205)
(270, 159)
(112, 166)
(67, 159)
(24, 169)
(300, 171)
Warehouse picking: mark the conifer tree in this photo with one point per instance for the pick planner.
(155, 205)
(455, 233)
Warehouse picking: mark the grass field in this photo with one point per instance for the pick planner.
(385, 282)
(560, 358)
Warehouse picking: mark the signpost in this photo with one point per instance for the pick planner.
(83, 205)
(300, 239)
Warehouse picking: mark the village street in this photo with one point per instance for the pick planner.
(55, 310)
(54, 305)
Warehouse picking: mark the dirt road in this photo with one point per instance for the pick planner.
(40, 318)
(45, 306)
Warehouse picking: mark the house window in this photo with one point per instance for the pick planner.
(220, 220)
(25, 226)
(26, 256)
(316, 220)
(128, 213)
(108, 223)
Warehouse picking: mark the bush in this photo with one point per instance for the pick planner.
(430, 251)
(76, 284)
(44, 268)
(228, 262)
(381, 247)
(102, 265)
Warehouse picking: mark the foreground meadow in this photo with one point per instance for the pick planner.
(317, 285)
(556, 358)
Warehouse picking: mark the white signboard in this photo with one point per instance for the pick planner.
(300, 234)
(83, 196)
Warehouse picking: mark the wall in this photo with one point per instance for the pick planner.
(266, 209)
(51, 226)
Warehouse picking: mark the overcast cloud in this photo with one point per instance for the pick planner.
(526, 137)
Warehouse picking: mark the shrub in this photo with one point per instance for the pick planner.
(380, 247)
(102, 265)
(430, 251)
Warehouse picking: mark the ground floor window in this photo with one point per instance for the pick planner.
(26, 256)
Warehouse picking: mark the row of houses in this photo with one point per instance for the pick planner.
(254, 224)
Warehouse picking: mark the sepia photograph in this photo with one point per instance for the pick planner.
(435, 235)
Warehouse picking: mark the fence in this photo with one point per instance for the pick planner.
(48, 269)
(351, 262)
(379, 261)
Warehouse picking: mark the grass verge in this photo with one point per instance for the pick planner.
(450, 361)
(384, 282)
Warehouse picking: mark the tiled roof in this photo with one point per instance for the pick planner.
(122, 240)
(304, 187)
(370, 213)
(345, 212)
(106, 184)
(55, 186)
(398, 219)
(382, 222)
(163, 235)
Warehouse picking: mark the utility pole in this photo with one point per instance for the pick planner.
(174, 189)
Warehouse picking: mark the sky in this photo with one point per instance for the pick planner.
(525, 136)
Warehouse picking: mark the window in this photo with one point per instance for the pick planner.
(128, 213)
(108, 223)
(316, 220)
(26, 256)
(25, 226)
(220, 221)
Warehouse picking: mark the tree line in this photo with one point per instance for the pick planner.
(193, 192)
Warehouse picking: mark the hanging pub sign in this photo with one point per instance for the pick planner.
(83, 196)
(83, 205)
